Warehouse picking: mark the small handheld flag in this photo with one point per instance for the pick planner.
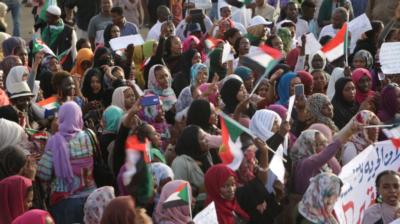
(336, 47)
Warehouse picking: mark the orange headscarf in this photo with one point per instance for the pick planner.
(84, 54)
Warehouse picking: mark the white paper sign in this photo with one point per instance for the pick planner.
(207, 215)
(357, 27)
(389, 58)
(276, 165)
(358, 176)
(290, 108)
(397, 221)
(122, 42)
(227, 53)
(312, 44)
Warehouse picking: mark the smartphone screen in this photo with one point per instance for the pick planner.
(299, 90)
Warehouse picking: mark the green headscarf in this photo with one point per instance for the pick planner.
(215, 64)
(51, 32)
(286, 36)
(112, 117)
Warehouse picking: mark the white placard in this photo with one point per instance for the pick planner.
(227, 53)
(207, 215)
(357, 27)
(358, 176)
(312, 44)
(122, 42)
(290, 107)
(276, 165)
(389, 58)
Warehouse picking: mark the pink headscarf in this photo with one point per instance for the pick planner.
(213, 97)
(176, 215)
(36, 216)
(187, 43)
(356, 76)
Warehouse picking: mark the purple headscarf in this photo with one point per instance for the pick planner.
(388, 106)
(11, 43)
(69, 123)
(279, 109)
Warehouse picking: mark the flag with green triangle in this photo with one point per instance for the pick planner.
(46, 5)
(38, 45)
(179, 197)
(230, 151)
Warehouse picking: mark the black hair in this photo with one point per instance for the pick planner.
(308, 3)
(325, 39)
(12, 159)
(80, 42)
(58, 78)
(384, 173)
(199, 114)
(230, 33)
(268, 42)
(236, 46)
(86, 89)
(117, 10)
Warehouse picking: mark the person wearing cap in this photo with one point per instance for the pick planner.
(19, 110)
(163, 14)
(258, 30)
(60, 38)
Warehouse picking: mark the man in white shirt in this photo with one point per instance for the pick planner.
(339, 17)
(292, 13)
(163, 13)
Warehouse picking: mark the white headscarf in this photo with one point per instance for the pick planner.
(10, 133)
(322, 55)
(16, 75)
(262, 122)
(118, 98)
(337, 73)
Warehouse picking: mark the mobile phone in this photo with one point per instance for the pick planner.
(149, 100)
(299, 90)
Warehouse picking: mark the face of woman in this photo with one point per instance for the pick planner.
(249, 84)
(129, 98)
(277, 43)
(275, 126)
(176, 46)
(329, 202)
(321, 142)
(68, 87)
(317, 62)
(262, 90)
(202, 76)
(244, 46)
(162, 78)
(115, 32)
(389, 189)
(320, 82)
(23, 55)
(242, 94)
(295, 81)
(359, 62)
(213, 116)
(154, 137)
(28, 200)
(54, 65)
(327, 110)
(202, 141)
(228, 189)
(196, 58)
(349, 92)
(95, 84)
(364, 84)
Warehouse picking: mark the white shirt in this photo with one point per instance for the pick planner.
(301, 27)
(155, 31)
(328, 31)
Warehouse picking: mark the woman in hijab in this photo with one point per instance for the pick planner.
(312, 152)
(16, 195)
(265, 124)
(11, 44)
(320, 81)
(123, 97)
(319, 199)
(285, 87)
(18, 74)
(362, 79)
(49, 67)
(111, 122)
(198, 75)
(337, 73)
(36, 216)
(220, 182)
(191, 42)
(141, 54)
(111, 31)
(11, 134)
(173, 54)
(92, 86)
(362, 139)
(159, 83)
(390, 104)
(162, 174)
(193, 158)
(69, 157)
(202, 113)
(96, 203)
(307, 80)
(213, 97)
(362, 59)
(122, 210)
(182, 79)
(246, 74)
(12, 161)
(216, 66)
(386, 211)
(343, 102)
(102, 56)
(317, 61)
(83, 61)
(173, 215)
(320, 110)
(287, 40)
(8, 63)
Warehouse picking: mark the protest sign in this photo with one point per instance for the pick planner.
(358, 176)
(123, 42)
(227, 54)
(277, 166)
(312, 44)
(207, 215)
(357, 27)
(389, 58)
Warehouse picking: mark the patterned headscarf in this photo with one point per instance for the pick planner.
(194, 71)
(315, 103)
(366, 56)
(167, 95)
(96, 203)
(361, 139)
(312, 206)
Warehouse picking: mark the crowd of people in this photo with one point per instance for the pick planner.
(92, 134)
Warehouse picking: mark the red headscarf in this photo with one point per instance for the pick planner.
(36, 216)
(13, 191)
(307, 80)
(356, 76)
(214, 179)
(3, 99)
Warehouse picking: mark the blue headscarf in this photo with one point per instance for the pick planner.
(243, 72)
(194, 71)
(284, 88)
(112, 117)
